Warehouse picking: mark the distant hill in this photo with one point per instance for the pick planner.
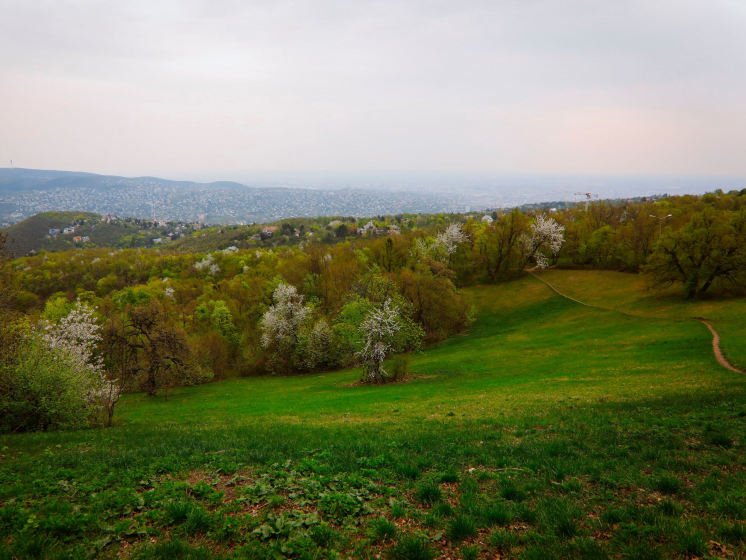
(33, 233)
(18, 180)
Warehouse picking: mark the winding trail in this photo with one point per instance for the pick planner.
(719, 356)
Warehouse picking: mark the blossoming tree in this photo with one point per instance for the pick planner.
(546, 235)
(379, 328)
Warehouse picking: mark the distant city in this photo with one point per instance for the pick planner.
(27, 192)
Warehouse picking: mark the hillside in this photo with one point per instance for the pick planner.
(33, 233)
(550, 430)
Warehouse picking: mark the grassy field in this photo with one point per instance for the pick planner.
(550, 430)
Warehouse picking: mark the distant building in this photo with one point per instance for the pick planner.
(335, 223)
(77, 239)
(366, 228)
(269, 231)
(157, 240)
(68, 230)
(52, 231)
(487, 218)
(85, 239)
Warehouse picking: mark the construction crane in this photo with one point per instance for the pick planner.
(588, 196)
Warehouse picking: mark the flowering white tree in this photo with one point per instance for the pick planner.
(282, 323)
(444, 245)
(546, 235)
(77, 336)
(379, 328)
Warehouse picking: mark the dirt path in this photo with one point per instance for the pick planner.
(715, 337)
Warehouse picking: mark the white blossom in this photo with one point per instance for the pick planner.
(169, 292)
(379, 327)
(285, 318)
(443, 246)
(546, 234)
(214, 269)
(204, 263)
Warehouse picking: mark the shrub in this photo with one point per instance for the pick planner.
(44, 388)
(412, 548)
(399, 366)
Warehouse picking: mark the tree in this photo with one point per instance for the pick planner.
(151, 351)
(707, 248)
(379, 328)
(546, 235)
(497, 244)
(282, 323)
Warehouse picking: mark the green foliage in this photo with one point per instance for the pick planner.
(412, 548)
(42, 388)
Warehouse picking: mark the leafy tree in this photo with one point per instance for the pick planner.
(707, 248)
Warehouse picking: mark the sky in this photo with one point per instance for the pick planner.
(224, 89)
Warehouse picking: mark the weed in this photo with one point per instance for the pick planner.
(443, 509)
(612, 516)
(408, 472)
(469, 552)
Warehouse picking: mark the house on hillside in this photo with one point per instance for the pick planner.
(157, 240)
(54, 232)
(269, 231)
(77, 239)
(68, 230)
(366, 228)
(85, 239)
(487, 218)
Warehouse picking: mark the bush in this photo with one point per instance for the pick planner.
(399, 365)
(44, 388)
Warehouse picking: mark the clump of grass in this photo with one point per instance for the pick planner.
(730, 506)
(432, 519)
(735, 533)
(668, 485)
(177, 512)
(512, 492)
(449, 477)
(199, 520)
(692, 542)
(503, 540)
(563, 517)
(643, 552)
(590, 549)
(498, 515)
(469, 553)
(670, 508)
(399, 367)
(408, 472)
(323, 535)
(612, 516)
(398, 509)
(429, 494)
(381, 530)
(443, 509)
(412, 548)
(461, 527)
(469, 486)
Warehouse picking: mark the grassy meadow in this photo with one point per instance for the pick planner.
(549, 430)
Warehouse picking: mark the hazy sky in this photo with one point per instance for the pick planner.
(220, 89)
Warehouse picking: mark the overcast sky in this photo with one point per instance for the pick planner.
(220, 89)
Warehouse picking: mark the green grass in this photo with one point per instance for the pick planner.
(550, 430)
